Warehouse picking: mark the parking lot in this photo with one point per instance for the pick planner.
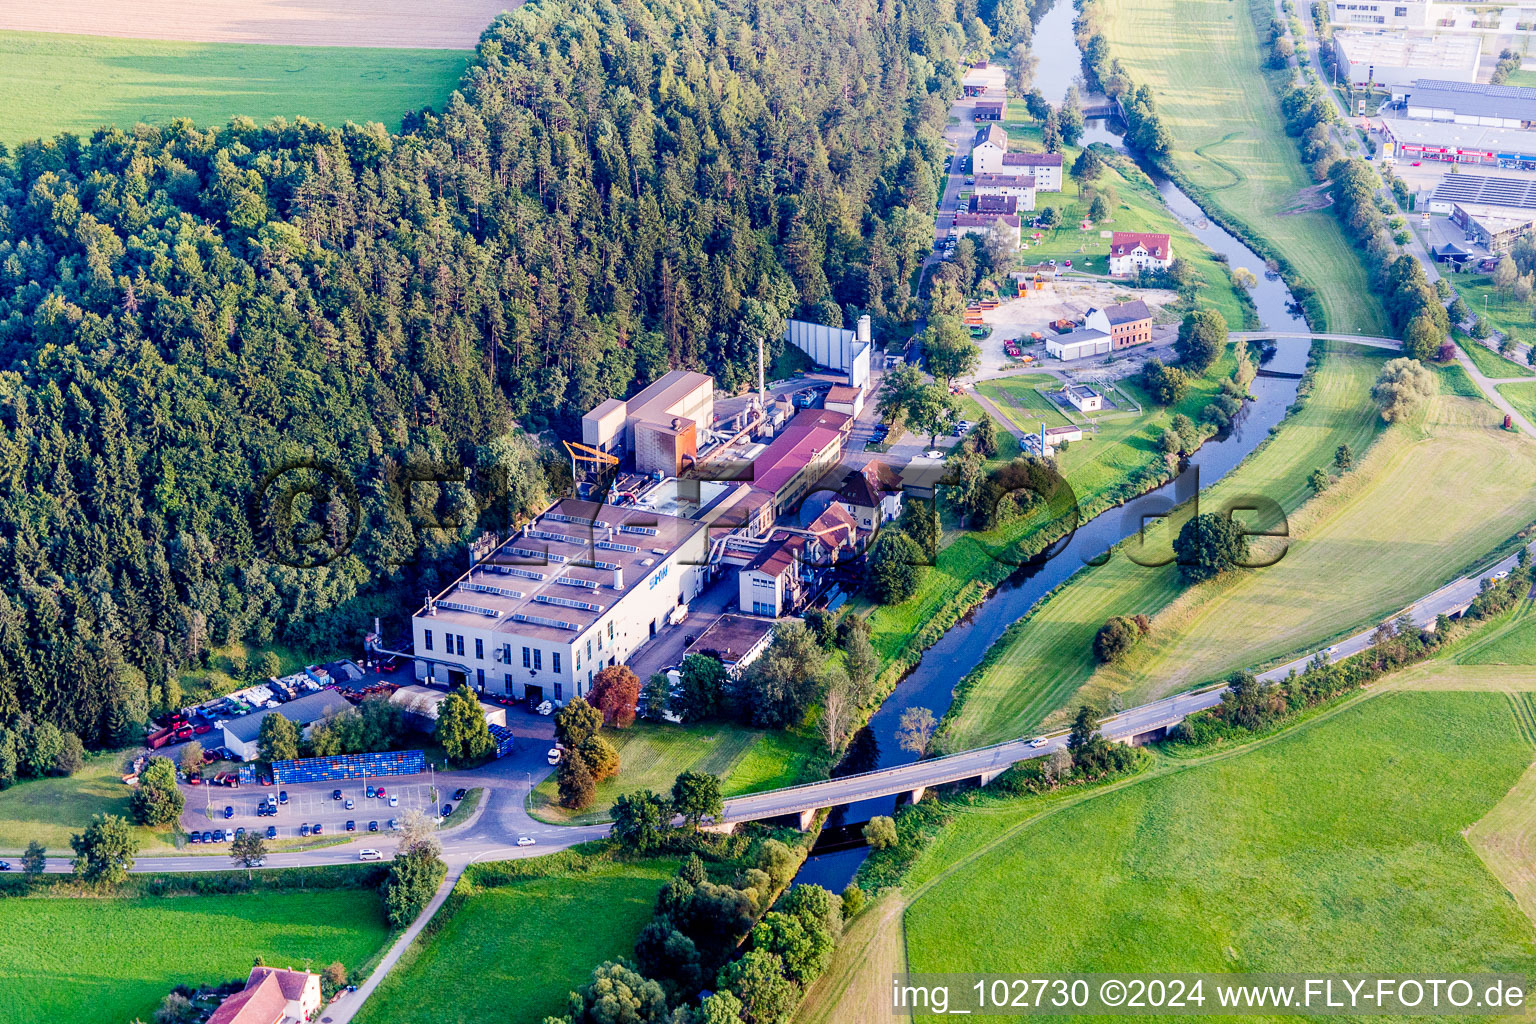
(312, 804)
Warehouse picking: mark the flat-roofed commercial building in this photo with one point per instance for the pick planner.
(1472, 103)
(1397, 59)
(578, 589)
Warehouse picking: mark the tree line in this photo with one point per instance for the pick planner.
(618, 188)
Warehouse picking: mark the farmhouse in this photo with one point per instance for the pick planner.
(271, 996)
(576, 590)
(240, 734)
(1007, 225)
(1132, 251)
(1083, 398)
(1127, 323)
(1079, 344)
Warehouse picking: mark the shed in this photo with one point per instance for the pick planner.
(421, 707)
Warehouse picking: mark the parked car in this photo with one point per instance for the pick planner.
(229, 812)
(349, 804)
(373, 826)
(335, 794)
(554, 755)
(194, 837)
(394, 823)
(369, 855)
(271, 831)
(304, 830)
(316, 830)
(460, 794)
(218, 835)
(525, 840)
(379, 792)
(447, 809)
(394, 801)
(351, 826)
(282, 796)
(239, 831)
(207, 837)
(370, 793)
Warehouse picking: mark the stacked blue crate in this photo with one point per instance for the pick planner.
(349, 766)
(503, 738)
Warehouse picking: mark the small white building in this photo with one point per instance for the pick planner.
(1133, 251)
(242, 735)
(1082, 343)
(845, 399)
(987, 150)
(1083, 398)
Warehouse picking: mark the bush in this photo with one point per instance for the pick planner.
(1115, 639)
(412, 880)
(880, 832)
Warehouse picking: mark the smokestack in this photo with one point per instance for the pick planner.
(864, 328)
(762, 377)
(618, 578)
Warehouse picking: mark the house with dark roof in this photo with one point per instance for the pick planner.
(994, 204)
(872, 495)
(988, 148)
(1127, 323)
(773, 583)
(1019, 186)
(1130, 252)
(1008, 226)
(1045, 168)
(736, 641)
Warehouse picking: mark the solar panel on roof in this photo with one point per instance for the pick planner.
(567, 602)
(645, 531)
(542, 621)
(613, 545)
(473, 609)
(487, 588)
(572, 581)
(536, 553)
(561, 517)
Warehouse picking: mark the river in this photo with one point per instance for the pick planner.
(931, 683)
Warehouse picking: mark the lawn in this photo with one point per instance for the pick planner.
(51, 810)
(1512, 643)
(652, 755)
(1491, 363)
(1297, 854)
(1201, 59)
(1426, 503)
(1521, 396)
(1036, 667)
(512, 952)
(56, 83)
(1503, 311)
(107, 961)
(1137, 207)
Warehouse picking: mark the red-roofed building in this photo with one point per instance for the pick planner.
(272, 996)
(807, 449)
(1132, 251)
(984, 224)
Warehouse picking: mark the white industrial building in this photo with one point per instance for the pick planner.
(578, 589)
(1395, 60)
(1471, 103)
(660, 426)
(836, 348)
(1079, 344)
(241, 735)
(1381, 13)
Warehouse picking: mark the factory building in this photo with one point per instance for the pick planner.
(660, 427)
(576, 590)
(836, 348)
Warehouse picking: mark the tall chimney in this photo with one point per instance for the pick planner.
(864, 328)
(762, 381)
(618, 578)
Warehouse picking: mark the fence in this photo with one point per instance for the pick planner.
(349, 766)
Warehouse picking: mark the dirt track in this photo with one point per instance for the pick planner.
(437, 24)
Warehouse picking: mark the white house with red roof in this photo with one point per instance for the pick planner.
(272, 996)
(1130, 252)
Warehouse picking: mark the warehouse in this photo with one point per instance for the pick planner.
(1395, 60)
(578, 589)
(1381, 13)
(1472, 103)
(241, 734)
(1079, 344)
(422, 705)
(736, 641)
(1496, 228)
(807, 450)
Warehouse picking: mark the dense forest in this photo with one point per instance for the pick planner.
(188, 314)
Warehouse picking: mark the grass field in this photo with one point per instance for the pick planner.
(1491, 363)
(1521, 396)
(1512, 643)
(51, 810)
(1297, 852)
(1138, 207)
(1043, 661)
(1423, 505)
(652, 755)
(107, 961)
(57, 83)
(518, 949)
(1201, 59)
(1503, 311)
